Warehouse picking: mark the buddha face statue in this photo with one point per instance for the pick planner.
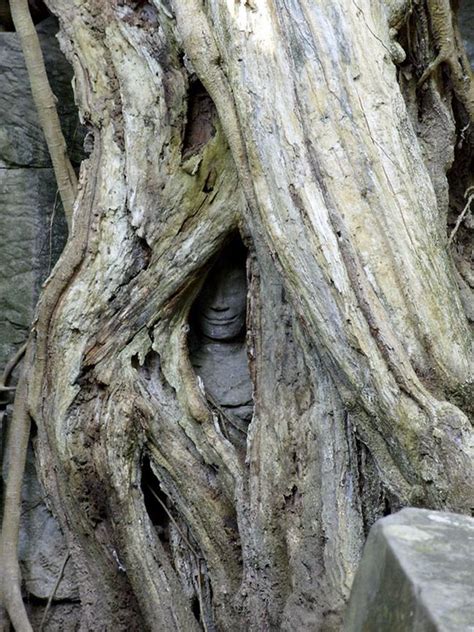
(221, 305)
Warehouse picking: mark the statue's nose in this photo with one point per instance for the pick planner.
(220, 303)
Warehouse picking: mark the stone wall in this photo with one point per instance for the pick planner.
(32, 234)
(466, 23)
(32, 226)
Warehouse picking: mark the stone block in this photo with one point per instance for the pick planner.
(22, 142)
(31, 240)
(466, 24)
(42, 548)
(416, 575)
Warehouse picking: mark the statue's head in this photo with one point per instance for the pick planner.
(221, 306)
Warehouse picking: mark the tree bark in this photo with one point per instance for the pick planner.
(358, 341)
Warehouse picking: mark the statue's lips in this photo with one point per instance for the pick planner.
(221, 321)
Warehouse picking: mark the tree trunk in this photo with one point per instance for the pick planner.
(287, 125)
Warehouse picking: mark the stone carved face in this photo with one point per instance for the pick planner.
(221, 305)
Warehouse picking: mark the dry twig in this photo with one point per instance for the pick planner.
(469, 194)
(53, 592)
